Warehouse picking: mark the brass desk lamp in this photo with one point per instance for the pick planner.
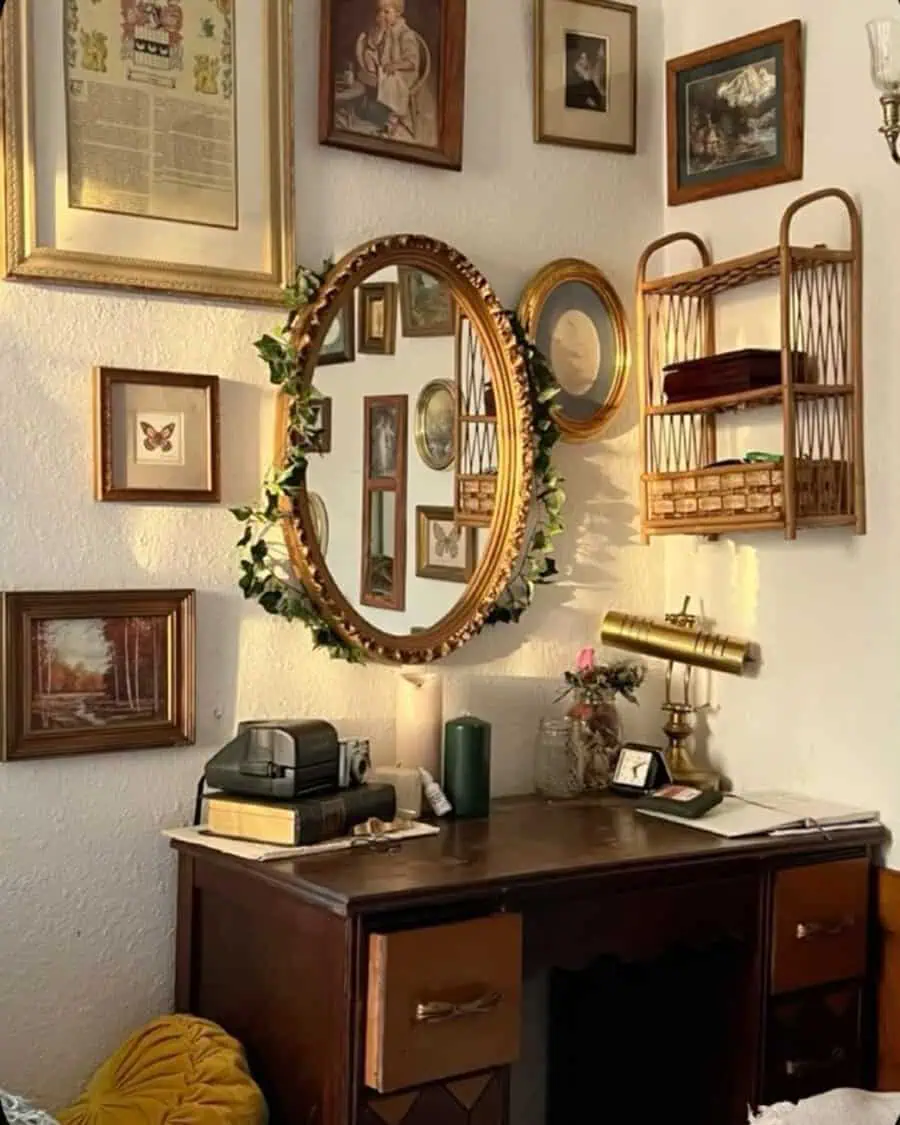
(679, 639)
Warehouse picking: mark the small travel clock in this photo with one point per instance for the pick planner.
(639, 770)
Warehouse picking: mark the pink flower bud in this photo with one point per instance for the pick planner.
(585, 660)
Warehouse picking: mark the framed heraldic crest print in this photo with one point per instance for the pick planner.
(134, 154)
(156, 436)
(392, 78)
(88, 671)
(585, 74)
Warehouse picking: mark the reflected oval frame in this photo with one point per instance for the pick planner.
(478, 302)
(531, 304)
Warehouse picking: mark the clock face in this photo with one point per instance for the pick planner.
(633, 767)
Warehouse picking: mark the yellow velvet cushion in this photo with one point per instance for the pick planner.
(178, 1070)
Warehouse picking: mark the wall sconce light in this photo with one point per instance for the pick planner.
(680, 639)
(884, 45)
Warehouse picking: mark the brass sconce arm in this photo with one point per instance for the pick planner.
(890, 107)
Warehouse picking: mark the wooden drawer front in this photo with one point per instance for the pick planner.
(443, 1002)
(820, 924)
(813, 1044)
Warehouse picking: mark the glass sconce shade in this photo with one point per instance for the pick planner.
(884, 44)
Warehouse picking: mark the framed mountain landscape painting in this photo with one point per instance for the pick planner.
(735, 115)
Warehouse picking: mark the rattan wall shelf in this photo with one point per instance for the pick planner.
(821, 480)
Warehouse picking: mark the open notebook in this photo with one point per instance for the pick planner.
(765, 812)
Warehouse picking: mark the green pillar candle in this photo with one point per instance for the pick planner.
(467, 766)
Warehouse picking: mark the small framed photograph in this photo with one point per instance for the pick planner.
(735, 115)
(444, 550)
(585, 81)
(385, 437)
(426, 304)
(378, 318)
(339, 345)
(93, 671)
(156, 436)
(392, 78)
(436, 424)
(321, 424)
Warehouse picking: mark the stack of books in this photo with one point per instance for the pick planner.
(291, 824)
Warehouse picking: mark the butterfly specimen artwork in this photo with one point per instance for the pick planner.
(445, 551)
(446, 541)
(158, 439)
(156, 436)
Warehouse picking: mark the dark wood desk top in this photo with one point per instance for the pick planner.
(524, 842)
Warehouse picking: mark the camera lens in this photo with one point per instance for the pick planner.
(359, 768)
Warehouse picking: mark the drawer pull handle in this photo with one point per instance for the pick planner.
(437, 1011)
(796, 1068)
(807, 930)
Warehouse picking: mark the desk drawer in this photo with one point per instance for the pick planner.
(813, 1044)
(443, 1001)
(820, 924)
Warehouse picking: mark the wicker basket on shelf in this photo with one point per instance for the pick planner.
(754, 490)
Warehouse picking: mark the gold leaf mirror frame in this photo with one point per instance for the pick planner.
(477, 301)
(531, 305)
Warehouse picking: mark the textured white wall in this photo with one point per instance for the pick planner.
(822, 716)
(86, 891)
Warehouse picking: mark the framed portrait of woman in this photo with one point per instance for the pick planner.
(392, 78)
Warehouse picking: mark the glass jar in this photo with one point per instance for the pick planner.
(559, 759)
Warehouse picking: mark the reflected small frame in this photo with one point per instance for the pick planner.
(559, 291)
(435, 432)
(445, 550)
(156, 437)
(92, 671)
(378, 318)
(427, 307)
(339, 345)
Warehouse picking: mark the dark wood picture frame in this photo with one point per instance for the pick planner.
(347, 353)
(337, 17)
(21, 611)
(425, 516)
(370, 344)
(322, 442)
(106, 379)
(785, 43)
(393, 484)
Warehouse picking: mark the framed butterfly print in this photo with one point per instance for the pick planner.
(444, 550)
(156, 436)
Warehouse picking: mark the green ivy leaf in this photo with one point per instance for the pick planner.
(259, 550)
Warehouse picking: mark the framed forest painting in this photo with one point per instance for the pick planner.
(90, 671)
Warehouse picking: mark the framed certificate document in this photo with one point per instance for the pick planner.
(148, 144)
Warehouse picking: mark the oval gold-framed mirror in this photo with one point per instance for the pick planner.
(417, 555)
(575, 317)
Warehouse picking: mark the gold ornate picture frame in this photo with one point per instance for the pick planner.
(210, 217)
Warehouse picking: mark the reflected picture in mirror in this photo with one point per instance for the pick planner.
(385, 435)
(339, 345)
(320, 520)
(445, 551)
(378, 318)
(426, 304)
(436, 424)
(320, 426)
(383, 577)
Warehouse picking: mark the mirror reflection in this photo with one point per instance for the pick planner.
(398, 359)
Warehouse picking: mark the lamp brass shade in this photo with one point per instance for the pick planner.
(695, 647)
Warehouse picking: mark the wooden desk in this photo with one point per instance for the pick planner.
(685, 970)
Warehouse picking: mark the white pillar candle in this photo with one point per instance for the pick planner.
(419, 721)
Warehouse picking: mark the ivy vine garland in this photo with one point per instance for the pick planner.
(266, 572)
